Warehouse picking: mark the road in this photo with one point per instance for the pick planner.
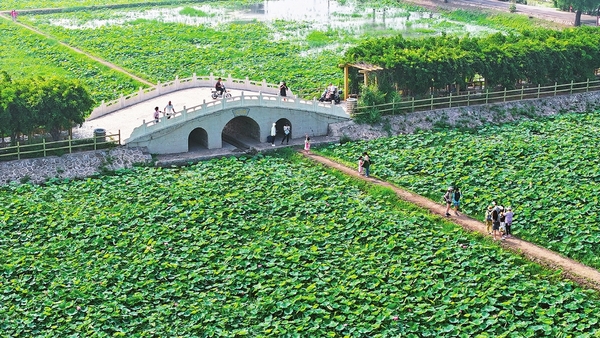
(545, 13)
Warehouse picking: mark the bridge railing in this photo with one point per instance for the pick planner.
(195, 81)
(243, 101)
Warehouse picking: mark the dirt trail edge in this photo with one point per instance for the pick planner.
(570, 269)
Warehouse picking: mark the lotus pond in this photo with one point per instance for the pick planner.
(546, 170)
(271, 40)
(264, 246)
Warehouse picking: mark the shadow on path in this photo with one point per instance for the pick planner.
(570, 269)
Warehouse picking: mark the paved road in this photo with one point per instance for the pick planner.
(545, 13)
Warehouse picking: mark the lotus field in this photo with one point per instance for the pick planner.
(264, 246)
(547, 171)
(28, 55)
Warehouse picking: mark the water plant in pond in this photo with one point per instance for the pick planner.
(544, 169)
(260, 246)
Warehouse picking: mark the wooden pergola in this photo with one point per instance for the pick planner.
(363, 68)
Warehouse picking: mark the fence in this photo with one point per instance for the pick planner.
(478, 98)
(57, 148)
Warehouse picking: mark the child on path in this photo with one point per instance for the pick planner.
(156, 114)
(360, 165)
(508, 218)
(488, 219)
(502, 223)
(307, 144)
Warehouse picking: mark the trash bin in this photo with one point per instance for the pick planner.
(351, 106)
(100, 135)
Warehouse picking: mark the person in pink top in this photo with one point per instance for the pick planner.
(307, 144)
(13, 14)
(361, 161)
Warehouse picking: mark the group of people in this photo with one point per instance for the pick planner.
(168, 112)
(498, 221)
(452, 199)
(364, 164)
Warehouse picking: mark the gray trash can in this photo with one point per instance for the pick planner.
(351, 106)
(100, 135)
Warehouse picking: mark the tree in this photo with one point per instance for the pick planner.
(59, 103)
(579, 6)
(7, 96)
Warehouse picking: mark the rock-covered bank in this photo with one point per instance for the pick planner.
(76, 165)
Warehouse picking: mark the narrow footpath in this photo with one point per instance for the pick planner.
(570, 269)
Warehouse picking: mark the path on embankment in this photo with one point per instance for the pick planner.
(77, 50)
(570, 269)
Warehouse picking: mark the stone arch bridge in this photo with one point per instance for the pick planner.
(242, 121)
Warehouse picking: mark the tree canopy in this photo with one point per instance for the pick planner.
(539, 56)
(579, 6)
(53, 104)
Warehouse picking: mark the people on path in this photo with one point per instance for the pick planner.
(156, 114)
(307, 144)
(496, 222)
(283, 90)
(508, 219)
(287, 129)
(273, 133)
(219, 87)
(366, 163)
(488, 219)
(456, 195)
(361, 161)
(14, 15)
(448, 199)
(169, 110)
(502, 223)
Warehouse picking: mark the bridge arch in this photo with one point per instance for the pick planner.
(198, 139)
(240, 131)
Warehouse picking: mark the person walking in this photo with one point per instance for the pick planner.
(456, 195)
(283, 90)
(14, 15)
(307, 144)
(287, 129)
(156, 114)
(496, 222)
(366, 163)
(273, 134)
(169, 110)
(508, 219)
(448, 199)
(488, 219)
(361, 161)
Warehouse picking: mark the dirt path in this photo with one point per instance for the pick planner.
(97, 59)
(570, 269)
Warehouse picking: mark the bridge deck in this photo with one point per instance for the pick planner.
(127, 119)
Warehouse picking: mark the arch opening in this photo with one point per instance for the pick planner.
(198, 139)
(240, 132)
